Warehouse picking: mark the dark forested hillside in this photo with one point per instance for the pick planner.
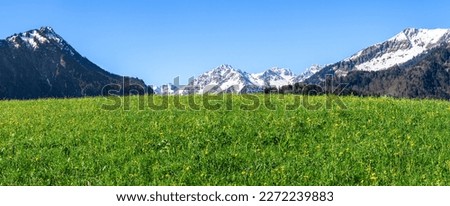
(427, 78)
(41, 64)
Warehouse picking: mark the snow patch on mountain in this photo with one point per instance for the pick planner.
(33, 39)
(308, 73)
(222, 78)
(399, 49)
(36, 38)
(276, 77)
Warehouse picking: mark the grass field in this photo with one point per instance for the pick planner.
(375, 141)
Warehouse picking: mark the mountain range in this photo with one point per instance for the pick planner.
(415, 63)
(41, 64)
(226, 78)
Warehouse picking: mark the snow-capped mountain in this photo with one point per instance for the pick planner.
(225, 78)
(413, 64)
(36, 38)
(39, 64)
(222, 78)
(273, 77)
(400, 49)
(405, 47)
(228, 79)
(308, 73)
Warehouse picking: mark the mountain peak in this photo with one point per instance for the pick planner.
(421, 36)
(44, 31)
(399, 49)
(225, 67)
(308, 73)
(414, 31)
(48, 31)
(410, 31)
(34, 39)
(47, 28)
(281, 71)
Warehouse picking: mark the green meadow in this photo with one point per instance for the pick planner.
(234, 140)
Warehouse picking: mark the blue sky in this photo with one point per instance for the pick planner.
(157, 40)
